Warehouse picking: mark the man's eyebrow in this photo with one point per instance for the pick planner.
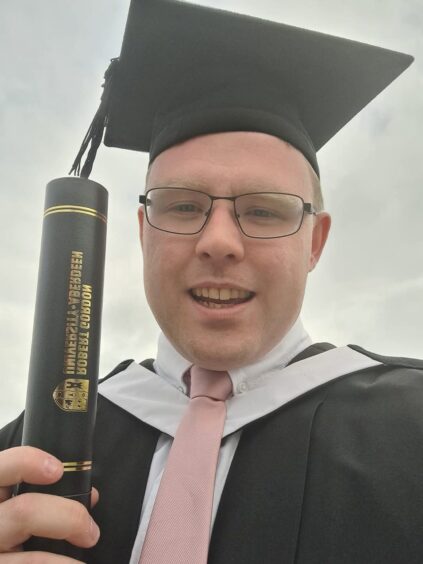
(207, 186)
(197, 184)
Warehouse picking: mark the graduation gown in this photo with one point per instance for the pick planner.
(333, 477)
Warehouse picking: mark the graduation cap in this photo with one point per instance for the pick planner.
(187, 70)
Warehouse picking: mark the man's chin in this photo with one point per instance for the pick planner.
(224, 353)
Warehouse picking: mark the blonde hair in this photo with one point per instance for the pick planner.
(318, 202)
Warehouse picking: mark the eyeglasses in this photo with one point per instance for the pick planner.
(261, 215)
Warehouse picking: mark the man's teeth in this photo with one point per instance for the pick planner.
(222, 294)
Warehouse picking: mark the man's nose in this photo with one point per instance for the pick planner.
(221, 238)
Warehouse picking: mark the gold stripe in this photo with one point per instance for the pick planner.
(75, 209)
(77, 463)
(81, 212)
(79, 469)
(93, 210)
(77, 466)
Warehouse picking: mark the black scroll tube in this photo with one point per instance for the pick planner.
(62, 384)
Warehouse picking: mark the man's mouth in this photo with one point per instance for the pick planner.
(216, 298)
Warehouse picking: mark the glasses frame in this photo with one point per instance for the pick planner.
(307, 209)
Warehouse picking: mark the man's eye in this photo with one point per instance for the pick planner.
(259, 212)
(184, 208)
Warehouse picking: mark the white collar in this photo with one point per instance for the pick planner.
(150, 398)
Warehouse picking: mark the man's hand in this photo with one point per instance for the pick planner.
(38, 514)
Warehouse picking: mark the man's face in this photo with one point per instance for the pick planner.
(272, 271)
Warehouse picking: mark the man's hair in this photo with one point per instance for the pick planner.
(318, 202)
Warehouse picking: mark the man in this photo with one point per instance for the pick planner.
(320, 458)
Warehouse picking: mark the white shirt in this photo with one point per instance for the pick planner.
(160, 400)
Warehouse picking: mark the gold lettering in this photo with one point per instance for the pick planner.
(77, 336)
(83, 341)
(72, 321)
(72, 336)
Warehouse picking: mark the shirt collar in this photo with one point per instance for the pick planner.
(151, 399)
(171, 366)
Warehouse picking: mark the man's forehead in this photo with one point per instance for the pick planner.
(251, 157)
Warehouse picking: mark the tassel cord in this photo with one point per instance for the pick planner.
(95, 131)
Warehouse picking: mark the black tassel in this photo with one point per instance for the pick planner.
(96, 129)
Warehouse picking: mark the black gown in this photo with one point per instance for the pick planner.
(333, 477)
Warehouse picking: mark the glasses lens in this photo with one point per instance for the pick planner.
(268, 214)
(177, 210)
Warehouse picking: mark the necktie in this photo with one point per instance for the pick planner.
(179, 527)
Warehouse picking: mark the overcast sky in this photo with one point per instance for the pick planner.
(368, 288)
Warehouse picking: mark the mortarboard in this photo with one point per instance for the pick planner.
(187, 70)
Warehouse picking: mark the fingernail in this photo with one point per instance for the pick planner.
(51, 466)
(94, 531)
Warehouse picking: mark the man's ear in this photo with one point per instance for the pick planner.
(321, 230)
(141, 223)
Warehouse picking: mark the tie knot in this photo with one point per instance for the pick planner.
(210, 383)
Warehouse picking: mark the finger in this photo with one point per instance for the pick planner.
(5, 493)
(44, 515)
(36, 558)
(28, 464)
(94, 497)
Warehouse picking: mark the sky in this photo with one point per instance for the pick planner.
(368, 286)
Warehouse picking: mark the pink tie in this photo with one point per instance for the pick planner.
(179, 527)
